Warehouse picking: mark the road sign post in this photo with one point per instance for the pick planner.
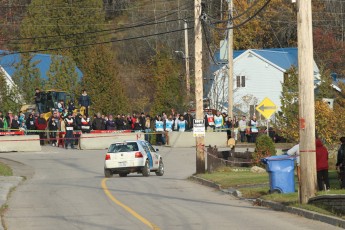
(266, 108)
(198, 128)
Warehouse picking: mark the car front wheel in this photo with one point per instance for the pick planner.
(160, 171)
(146, 169)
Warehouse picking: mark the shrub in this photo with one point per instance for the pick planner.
(264, 147)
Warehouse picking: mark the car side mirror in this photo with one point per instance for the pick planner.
(157, 150)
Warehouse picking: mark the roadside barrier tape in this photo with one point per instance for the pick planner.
(130, 130)
(12, 133)
(58, 138)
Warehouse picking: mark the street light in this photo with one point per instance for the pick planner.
(186, 58)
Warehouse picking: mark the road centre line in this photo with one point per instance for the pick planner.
(128, 209)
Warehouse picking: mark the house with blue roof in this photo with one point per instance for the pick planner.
(9, 61)
(257, 74)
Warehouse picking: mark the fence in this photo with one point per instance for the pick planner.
(227, 158)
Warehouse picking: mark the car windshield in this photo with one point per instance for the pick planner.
(123, 147)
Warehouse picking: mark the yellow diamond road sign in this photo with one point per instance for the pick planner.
(266, 108)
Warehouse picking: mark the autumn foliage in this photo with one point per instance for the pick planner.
(329, 123)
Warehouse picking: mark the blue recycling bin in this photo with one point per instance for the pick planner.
(281, 173)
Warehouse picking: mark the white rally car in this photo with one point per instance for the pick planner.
(132, 157)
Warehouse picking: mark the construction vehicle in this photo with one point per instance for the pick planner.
(50, 99)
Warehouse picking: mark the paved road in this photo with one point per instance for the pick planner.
(68, 191)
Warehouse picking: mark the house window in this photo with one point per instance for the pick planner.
(240, 81)
(243, 81)
(286, 75)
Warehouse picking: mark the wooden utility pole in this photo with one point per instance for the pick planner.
(186, 50)
(200, 142)
(230, 62)
(306, 101)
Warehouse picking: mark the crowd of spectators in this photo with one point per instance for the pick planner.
(64, 119)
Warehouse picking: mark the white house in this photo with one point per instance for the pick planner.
(7, 77)
(257, 74)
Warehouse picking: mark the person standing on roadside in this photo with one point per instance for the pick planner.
(322, 165)
(168, 124)
(1, 123)
(148, 128)
(142, 120)
(340, 165)
(189, 119)
(15, 123)
(254, 131)
(181, 124)
(38, 100)
(159, 128)
(30, 123)
(85, 101)
(294, 151)
(235, 127)
(218, 121)
(53, 128)
(41, 125)
(69, 136)
(98, 123)
(229, 125)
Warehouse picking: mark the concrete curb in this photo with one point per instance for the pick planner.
(276, 206)
(302, 212)
(211, 184)
(206, 182)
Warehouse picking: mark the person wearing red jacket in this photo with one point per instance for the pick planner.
(41, 124)
(322, 165)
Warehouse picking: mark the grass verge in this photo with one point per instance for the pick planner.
(5, 170)
(235, 177)
(255, 185)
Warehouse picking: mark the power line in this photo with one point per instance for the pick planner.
(95, 43)
(245, 21)
(133, 25)
(92, 32)
(208, 44)
(237, 16)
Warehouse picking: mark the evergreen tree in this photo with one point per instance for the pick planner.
(169, 89)
(57, 23)
(327, 121)
(9, 97)
(73, 23)
(102, 83)
(325, 89)
(287, 119)
(62, 75)
(27, 77)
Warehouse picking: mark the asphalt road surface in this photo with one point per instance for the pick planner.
(68, 191)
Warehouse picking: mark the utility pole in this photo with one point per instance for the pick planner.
(186, 50)
(230, 61)
(200, 142)
(306, 101)
(221, 9)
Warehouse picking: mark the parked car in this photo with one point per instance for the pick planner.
(132, 157)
